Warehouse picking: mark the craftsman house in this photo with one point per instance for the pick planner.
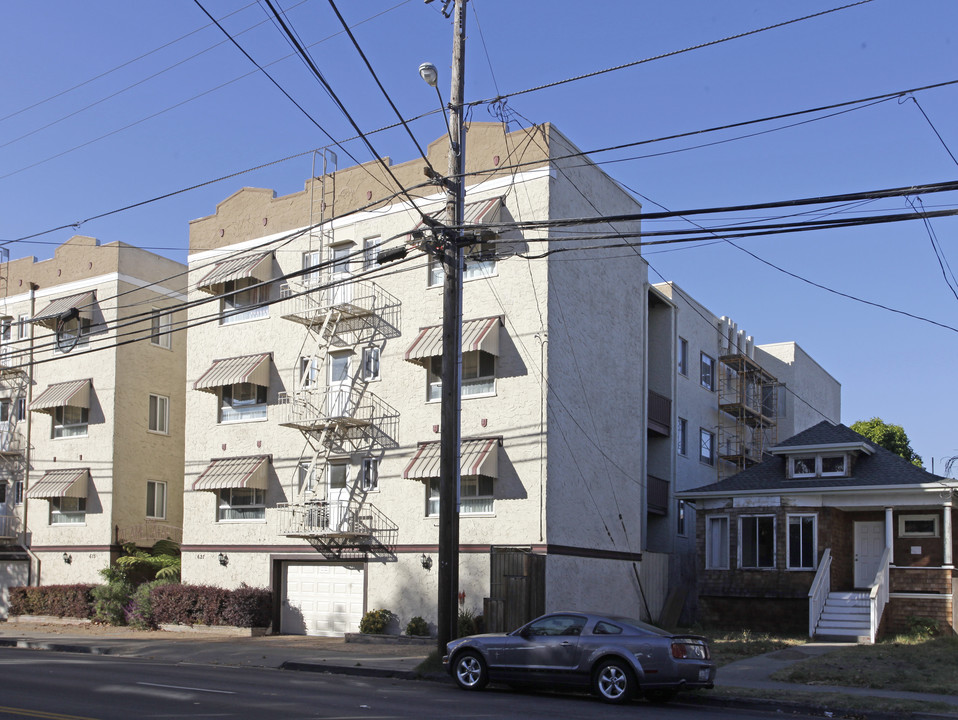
(832, 532)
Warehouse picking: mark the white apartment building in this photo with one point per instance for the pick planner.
(312, 409)
(92, 377)
(732, 401)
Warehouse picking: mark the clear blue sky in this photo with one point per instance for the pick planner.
(137, 132)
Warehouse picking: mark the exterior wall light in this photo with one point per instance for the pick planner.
(67, 558)
(224, 559)
(426, 562)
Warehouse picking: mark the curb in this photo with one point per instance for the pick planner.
(349, 670)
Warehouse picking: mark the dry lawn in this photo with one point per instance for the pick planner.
(729, 646)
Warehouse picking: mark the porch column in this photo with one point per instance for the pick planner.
(890, 535)
(946, 533)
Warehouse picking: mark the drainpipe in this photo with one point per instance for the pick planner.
(26, 471)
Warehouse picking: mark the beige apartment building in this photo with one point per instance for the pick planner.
(92, 390)
(312, 409)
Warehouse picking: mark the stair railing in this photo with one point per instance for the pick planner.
(818, 593)
(878, 597)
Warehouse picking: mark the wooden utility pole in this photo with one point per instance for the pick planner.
(450, 412)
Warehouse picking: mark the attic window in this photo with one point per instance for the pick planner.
(833, 466)
(803, 467)
(806, 466)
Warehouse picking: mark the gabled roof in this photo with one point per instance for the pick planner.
(875, 468)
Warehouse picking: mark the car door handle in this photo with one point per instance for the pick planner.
(565, 643)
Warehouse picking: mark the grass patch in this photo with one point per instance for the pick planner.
(912, 664)
(729, 646)
(848, 705)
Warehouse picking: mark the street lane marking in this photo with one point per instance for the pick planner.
(181, 687)
(41, 714)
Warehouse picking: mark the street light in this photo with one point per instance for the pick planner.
(429, 73)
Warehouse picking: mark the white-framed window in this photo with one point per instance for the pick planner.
(242, 402)
(707, 371)
(3, 493)
(308, 372)
(161, 324)
(478, 374)
(680, 510)
(156, 500)
(716, 542)
(20, 409)
(238, 504)
(370, 251)
(73, 334)
(833, 465)
(682, 362)
(67, 511)
(244, 300)
(802, 542)
(475, 496)
(370, 474)
(706, 446)
(756, 541)
(70, 421)
(311, 260)
(159, 414)
(479, 261)
(23, 327)
(370, 367)
(801, 466)
(682, 436)
(925, 525)
(307, 477)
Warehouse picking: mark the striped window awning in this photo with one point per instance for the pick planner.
(75, 393)
(230, 371)
(482, 334)
(231, 473)
(479, 212)
(60, 484)
(83, 302)
(476, 457)
(258, 267)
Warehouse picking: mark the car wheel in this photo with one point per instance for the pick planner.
(612, 681)
(470, 671)
(659, 696)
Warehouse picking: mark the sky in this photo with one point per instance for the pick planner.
(107, 104)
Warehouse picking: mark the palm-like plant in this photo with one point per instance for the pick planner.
(162, 561)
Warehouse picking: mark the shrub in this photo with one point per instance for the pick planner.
(73, 601)
(139, 611)
(110, 602)
(205, 605)
(924, 627)
(417, 626)
(375, 622)
(467, 623)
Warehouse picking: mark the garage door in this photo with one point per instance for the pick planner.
(322, 599)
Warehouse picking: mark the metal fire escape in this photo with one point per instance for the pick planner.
(748, 402)
(13, 422)
(331, 404)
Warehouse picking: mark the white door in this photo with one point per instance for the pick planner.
(337, 495)
(322, 600)
(339, 381)
(869, 547)
(342, 288)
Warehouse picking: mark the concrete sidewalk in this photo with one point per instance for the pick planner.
(395, 660)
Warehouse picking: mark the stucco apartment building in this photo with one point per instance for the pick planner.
(92, 386)
(732, 401)
(312, 409)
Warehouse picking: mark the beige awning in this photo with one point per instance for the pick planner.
(259, 267)
(75, 393)
(474, 213)
(480, 334)
(239, 472)
(230, 371)
(83, 302)
(60, 483)
(476, 457)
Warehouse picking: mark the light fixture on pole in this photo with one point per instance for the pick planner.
(429, 73)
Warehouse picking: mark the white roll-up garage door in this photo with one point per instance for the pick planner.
(322, 599)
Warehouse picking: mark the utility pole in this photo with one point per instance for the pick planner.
(450, 412)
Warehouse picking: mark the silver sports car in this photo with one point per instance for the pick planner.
(616, 658)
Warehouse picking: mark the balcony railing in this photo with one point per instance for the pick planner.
(10, 527)
(352, 417)
(361, 524)
(657, 495)
(362, 309)
(660, 413)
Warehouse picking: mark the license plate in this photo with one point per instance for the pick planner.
(703, 675)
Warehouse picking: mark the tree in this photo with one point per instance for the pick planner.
(891, 437)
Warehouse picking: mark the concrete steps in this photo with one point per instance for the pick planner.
(847, 616)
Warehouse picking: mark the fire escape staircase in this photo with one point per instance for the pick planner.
(13, 466)
(339, 419)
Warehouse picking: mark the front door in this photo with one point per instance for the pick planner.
(337, 495)
(340, 277)
(869, 547)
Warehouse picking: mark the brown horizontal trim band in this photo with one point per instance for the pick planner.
(74, 548)
(544, 549)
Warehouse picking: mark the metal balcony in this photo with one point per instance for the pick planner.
(345, 313)
(347, 420)
(10, 527)
(339, 527)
